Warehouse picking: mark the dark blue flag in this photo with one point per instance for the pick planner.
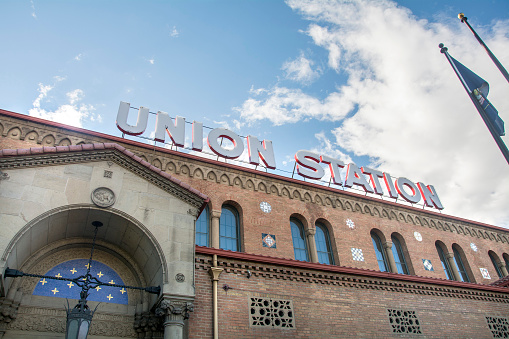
(479, 88)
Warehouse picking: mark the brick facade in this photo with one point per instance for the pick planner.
(348, 299)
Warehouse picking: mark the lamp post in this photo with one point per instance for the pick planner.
(79, 318)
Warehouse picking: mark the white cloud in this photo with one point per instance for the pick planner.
(174, 32)
(402, 105)
(151, 61)
(32, 5)
(72, 113)
(78, 57)
(300, 69)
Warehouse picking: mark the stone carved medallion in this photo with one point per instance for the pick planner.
(418, 236)
(103, 197)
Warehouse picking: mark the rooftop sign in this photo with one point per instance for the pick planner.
(308, 164)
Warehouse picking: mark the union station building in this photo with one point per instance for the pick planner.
(237, 252)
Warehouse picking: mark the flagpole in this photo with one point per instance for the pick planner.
(487, 121)
(501, 68)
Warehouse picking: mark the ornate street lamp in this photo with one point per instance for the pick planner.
(80, 317)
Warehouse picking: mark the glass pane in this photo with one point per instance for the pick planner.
(202, 228)
(380, 257)
(445, 265)
(460, 266)
(72, 329)
(399, 257)
(228, 229)
(494, 262)
(322, 241)
(299, 243)
(83, 330)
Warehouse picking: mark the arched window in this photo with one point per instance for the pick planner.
(445, 264)
(229, 229)
(459, 263)
(494, 260)
(300, 248)
(380, 253)
(399, 257)
(506, 260)
(202, 228)
(323, 246)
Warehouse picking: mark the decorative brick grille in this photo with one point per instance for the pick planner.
(271, 313)
(499, 327)
(404, 321)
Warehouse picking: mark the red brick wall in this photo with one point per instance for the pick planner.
(326, 310)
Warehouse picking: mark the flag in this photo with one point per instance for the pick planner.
(479, 88)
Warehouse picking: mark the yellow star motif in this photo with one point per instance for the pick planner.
(111, 282)
(88, 266)
(98, 288)
(73, 270)
(123, 290)
(100, 274)
(55, 291)
(43, 281)
(70, 284)
(58, 275)
(109, 297)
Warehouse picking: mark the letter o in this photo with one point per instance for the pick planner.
(238, 145)
(413, 198)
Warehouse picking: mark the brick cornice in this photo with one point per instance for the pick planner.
(364, 276)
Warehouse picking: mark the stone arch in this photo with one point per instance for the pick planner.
(393, 216)
(65, 142)
(184, 169)
(401, 217)
(224, 179)
(14, 133)
(237, 182)
(385, 214)
(144, 158)
(296, 195)
(357, 207)
(425, 222)
(367, 210)
(48, 140)
(328, 202)
(171, 167)
(339, 203)
(376, 212)
(82, 143)
(285, 192)
(318, 200)
(157, 163)
(409, 219)
(433, 224)
(32, 137)
(262, 187)
(307, 197)
(198, 173)
(418, 221)
(274, 190)
(74, 222)
(348, 206)
(250, 184)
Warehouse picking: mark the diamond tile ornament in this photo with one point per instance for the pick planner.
(265, 207)
(473, 247)
(357, 254)
(350, 223)
(268, 240)
(427, 265)
(485, 273)
(418, 236)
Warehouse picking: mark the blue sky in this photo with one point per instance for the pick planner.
(362, 81)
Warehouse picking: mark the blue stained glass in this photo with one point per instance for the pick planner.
(322, 241)
(228, 229)
(380, 255)
(460, 266)
(445, 264)
(299, 243)
(399, 257)
(494, 262)
(73, 269)
(202, 228)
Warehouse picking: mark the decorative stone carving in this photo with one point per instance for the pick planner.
(103, 197)
(174, 310)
